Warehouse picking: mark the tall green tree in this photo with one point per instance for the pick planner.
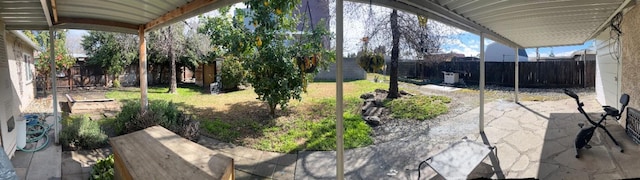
(166, 46)
(230, 40)
(197, 49)
(111, 51)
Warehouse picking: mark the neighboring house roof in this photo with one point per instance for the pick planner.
(26, 39)
(496, 52)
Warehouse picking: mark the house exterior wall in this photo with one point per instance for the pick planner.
(16, 92)
(631, 56)
(22, 69)
(350, 71)
(607, 71)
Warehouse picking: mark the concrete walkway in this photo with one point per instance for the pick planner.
(534, 140)
(43, 164)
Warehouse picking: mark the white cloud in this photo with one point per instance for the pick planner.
(564, 54)
(468, 49)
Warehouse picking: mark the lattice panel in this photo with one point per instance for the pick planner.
(633, 124)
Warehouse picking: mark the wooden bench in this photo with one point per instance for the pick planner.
(157, 153)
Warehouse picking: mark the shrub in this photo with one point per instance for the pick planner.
(103, 169)
(418, 107)
(81, 132)
(163, 113)
(233, 73)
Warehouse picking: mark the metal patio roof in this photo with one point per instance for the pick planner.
(117, 15)
(519, 23)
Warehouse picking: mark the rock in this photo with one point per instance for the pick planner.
(381, 91)
(405, 93)
(366, 106)
(367, 96)
(373, 120)
(370, 111)
(378, 103)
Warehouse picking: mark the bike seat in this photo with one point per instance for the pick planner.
(611, 111)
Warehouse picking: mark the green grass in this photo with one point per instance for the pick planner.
(418, 107)
(310, 135)
(222, 130)
(239, 118)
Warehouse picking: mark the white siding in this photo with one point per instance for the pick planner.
(16, 91)
(607, 72)
(7, 109)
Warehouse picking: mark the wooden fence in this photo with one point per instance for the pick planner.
(549, 74)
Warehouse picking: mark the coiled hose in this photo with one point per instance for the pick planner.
(35, 133)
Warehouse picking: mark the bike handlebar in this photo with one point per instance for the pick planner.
(571, 94)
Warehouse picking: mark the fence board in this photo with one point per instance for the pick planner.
(549, 74)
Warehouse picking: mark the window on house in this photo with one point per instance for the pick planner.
(27, 68)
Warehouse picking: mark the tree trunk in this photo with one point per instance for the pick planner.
(174, 84)
(272, 110)
(395, 51)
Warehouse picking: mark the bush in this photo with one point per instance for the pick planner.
(103, 169)
(418, 107)
(233, 73)
(81, 132)
(163, 113)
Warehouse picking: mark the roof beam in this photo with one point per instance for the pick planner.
(45, 9)
(182, 10)
(437, 10)
(67, 20)
(55, 11)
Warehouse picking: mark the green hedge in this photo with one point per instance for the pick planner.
(81, 132)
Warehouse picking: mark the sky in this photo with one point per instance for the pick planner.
(355, 27)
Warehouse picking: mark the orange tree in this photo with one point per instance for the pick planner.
(275, 55)
(278, 70)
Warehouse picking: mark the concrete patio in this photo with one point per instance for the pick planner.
(534, 140)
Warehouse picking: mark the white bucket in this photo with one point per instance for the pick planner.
(21, 127)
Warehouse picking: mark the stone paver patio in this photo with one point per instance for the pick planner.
(534, 140)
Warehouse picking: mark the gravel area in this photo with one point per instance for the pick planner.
(463, 101)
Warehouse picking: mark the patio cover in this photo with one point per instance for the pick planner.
(516, 23)
(119, 16)
(519, 23)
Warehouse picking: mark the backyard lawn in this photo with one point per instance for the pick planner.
(309, 124)
(240, 118)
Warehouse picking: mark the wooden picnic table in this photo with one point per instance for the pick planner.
(157, 153)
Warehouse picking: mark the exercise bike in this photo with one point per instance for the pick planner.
(585, 134)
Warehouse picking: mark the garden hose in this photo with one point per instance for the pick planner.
(35, 133)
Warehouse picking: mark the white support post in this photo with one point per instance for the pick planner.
(482, 81)
(339, 93)
(54, 83)
(517, 77)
